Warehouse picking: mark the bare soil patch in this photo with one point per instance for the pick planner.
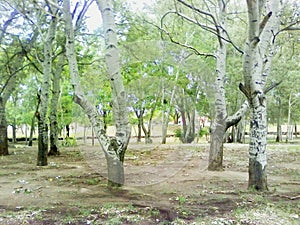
(165, 184)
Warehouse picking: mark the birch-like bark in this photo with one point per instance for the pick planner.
(257, 50)
(187, 110)
(289, 126)
(218, 127)
(166, 113)
(114, 148)
(112, 58)
(147, 131)
(221, 121)
(44, 95)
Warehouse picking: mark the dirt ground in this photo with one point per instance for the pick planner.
(165, 184)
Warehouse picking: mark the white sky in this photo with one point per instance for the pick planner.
(94, 20)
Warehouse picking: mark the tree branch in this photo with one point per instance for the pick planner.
(215, 31)
(245, 91)
(81, 14)
(235, 118)
(267, 89)
(289, 27)
(264, 22)
(199, 11)
(185, 45)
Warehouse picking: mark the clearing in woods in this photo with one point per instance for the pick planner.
(165, 184)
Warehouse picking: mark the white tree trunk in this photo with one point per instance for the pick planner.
(256, 64)
(44, 95)
(218, 127)
(112, 58)
(166, 113)
(114, 148)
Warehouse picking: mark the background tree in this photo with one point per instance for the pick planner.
(44, 95)
(144, 99)
(8, 78)
(210, 21)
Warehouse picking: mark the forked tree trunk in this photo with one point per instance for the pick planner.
(257, 61)
(120, 112)
(147, 131)
(115, 147)
(3, 130)
(189, 131)
(166, 113)
(44, 95)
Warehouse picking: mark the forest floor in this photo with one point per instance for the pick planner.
(165, 184)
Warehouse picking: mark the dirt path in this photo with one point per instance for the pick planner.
(167, 183)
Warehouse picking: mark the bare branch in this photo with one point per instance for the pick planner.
(289, 27)
(181, 44)
(272, 86)
(245, 91)
(215, 31)
(199, 11)
(264, 22)
(81, 15)
(235, 118)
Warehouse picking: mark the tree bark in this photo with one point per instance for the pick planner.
(3, 130)
(42, 144)
(119, 95)
(14, 131)
(279, 130)
(139, 115)
(44, 95)
(115, 147)
(32, 127)
(256, 67)
(147, 131)
(166, 113)
(240, 132)
(289, 126)
(218, 128)
(53, 107)
(4, 96)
